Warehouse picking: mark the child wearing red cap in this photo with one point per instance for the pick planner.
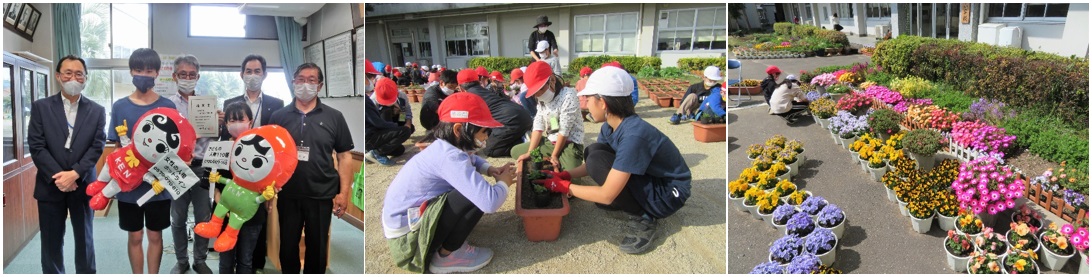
(438, 197)
(584, 73)
(388, 122)
(434, 95)
(558, 120)
(769, 84)
(516, 120)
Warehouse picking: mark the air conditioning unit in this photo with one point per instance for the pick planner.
(1011, 36)
(881, 30)
(988, 33)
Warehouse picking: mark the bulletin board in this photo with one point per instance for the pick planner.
(314, 54)
(339, 57)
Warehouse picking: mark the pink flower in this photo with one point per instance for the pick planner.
(1067, 229)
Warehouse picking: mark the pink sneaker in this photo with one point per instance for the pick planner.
(466, 259)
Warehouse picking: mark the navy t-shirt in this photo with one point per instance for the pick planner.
(125, 111)
(641, 149)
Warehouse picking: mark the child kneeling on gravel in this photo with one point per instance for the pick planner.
(637, 168)
(436, 200)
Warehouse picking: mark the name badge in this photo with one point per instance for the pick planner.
(401, 117)
(303, 153)
(553, 125)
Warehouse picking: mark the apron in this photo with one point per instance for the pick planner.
(410, 251)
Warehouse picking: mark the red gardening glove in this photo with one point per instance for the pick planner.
(555, 184)
(564, 175)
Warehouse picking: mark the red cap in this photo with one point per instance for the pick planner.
(773, 70)
(482, 71)
(414, 64)
(387, 68)
(369, 69)
(397, 73)
(614, 64)
(386, 92)
(442, 69)
(536, 76)
(496, 75)
(467, 75)
(585, 71)
(467, 107)
(516, 74)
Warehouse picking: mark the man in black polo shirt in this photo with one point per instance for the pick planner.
(305, 200)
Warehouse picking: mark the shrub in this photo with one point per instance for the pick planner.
(923, 142)
(1048, 137)
(671, 72)
(699, 64)
(647, 72)
(502, 64)
(912, 87)
(631, 63)
(947, 97)
(884, 121)
(782, 28)
(1019, 77)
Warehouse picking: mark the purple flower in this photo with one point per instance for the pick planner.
(800, 225)
(783, 213)
(830, 216)
(813, 205)
(767, 268)
(820, 241)
(785, 249)
(804, 264)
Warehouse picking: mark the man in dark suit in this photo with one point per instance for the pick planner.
(253, 72)
(66, 137)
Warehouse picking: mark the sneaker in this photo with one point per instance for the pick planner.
(379, 159)
(466, 259)
(675, 118)
(181, 268)
(201, 268)
(641, 232)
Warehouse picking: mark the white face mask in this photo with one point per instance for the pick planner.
(480, 144)
(186, 86)
(514, 86)
(446, 90)
(369, 86)
(253, 82)
(710, 83)
(547, 96)
(306, 92)
(73, 87)
(237, 128)
(542, 30)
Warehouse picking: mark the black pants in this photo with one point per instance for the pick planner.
(296, 217)
(457, 219)
(388, 142)
(260, 250)
(51, 217)
(501, 140)
(797, 108)
(599, 158)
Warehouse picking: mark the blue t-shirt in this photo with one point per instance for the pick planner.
(713, 102)
(125, 109)
(635, 94)
(641, 149)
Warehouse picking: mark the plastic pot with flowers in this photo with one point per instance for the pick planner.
(736, 189)
(855, 103)
(1022, 237)
(832, 218)
(823, 109)
(749, 175)
(890, 180)
(785, 189)
(947, 208)
(800, 225)
(766, 205)
(767, 180)
(876, 166)
(921, 214)
(981, 136)
(884, 123)
(754, 151)
(991, 242)
(969, 224)
(984, 263)
(986, 187)
(781, 216)
(785, 249)
(750, 201)
(805, 263)
(797, 147)
(812, 206)
(777, 140)
(1025, 214)
(958, 248)
(789, 158)
(822, 243)
(822, 81)
(922, 144)
(798, 197)
(1079, 240)
(847, 127)
(1021, 262)
(863, 154)
(1056, 250)
(768, 268)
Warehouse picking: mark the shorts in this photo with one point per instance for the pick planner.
(155, 215)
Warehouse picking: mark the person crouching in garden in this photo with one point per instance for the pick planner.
(769, 84)
(558, 119)
(788, 100)
(696, 94)
(637, 168)
(438, 197)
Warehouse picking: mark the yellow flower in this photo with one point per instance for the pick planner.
(994, 267)
(1020, 265)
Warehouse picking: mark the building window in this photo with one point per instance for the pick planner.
(878, 10)
(471, 39)
(217, 21)
(692, 29)
(1013, 11)
(807, 12)
(613, 33)
(424, 44)
(826, 15)
(113, 31)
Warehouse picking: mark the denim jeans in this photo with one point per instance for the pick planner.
(240, 260)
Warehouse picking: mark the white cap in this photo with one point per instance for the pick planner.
(409, 63)
(713, 73)
(790, 77)
(523, 68)
(542, 45)
(608, 81)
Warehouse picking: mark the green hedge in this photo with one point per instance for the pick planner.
(502, 64)
(830, 36)
(783, 28)
(699, 64)
(1025, 79)
(1040, 134)
(631, 63)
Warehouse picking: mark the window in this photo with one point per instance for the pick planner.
(807, 12)
(27, 77)
(9, 112)
(1033, 11)
(217, 21)
(692, 29)
(826, 14)
(471, 39)
(614, 33)
(113, 30)
(424, 44)
(878, 10)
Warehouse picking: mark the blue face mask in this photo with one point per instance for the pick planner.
(143, 83)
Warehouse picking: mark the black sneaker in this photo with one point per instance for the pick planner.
(181, 267)
(640, 233)
(201, 268)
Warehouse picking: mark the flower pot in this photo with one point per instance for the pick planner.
(967, 268)
(664, 102)
(837, 140)
(1038, 244)
(784, 267)
(863, 163)
(921, 225)
(737, 203)
(1008, 267)
(709, 132)
(1052, 261)
(877, 173)
(768, 218)
(846, 142)
(794, 167)
(891, 195)
(946, 223)
(539, 224)
(752, 209)
(839, 229)
(925, 163)
(1083, 270)
(821, 89)
(824, 122)
(884, 136)
(780, 228)
(831, 255)
(902, 208)
(955, 263)
(676, 101)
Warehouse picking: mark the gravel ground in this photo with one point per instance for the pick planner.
(877, 240)
(691, 241)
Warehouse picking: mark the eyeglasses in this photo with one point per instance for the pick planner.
(187, 76)
(313, 81)
(70, 74)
